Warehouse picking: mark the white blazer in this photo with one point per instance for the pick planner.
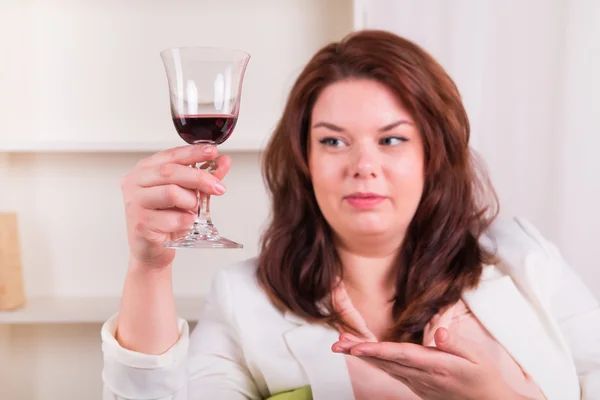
(244, 348)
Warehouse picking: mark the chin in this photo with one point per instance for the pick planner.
(366, 233)
(369, 228)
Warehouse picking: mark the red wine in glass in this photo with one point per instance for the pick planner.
(204, 128)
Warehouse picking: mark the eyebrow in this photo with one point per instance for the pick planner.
(386, 128)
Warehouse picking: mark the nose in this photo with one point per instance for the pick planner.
(364, 162)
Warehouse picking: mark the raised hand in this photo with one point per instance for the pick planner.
(160, 197)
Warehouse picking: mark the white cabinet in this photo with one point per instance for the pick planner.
(83, 96)
(86, 75)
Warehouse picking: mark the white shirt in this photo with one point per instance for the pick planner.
(532, 303)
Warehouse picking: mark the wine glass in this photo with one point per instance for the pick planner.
(205, 85)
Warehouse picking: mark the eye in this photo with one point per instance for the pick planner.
(332, 142)
(392, 141)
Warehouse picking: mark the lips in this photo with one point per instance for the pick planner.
(364, 200)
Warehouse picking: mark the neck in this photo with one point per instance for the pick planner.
(369, 268)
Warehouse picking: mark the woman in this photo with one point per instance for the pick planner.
(382, 274)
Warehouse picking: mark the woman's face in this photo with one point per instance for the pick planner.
(366, 160)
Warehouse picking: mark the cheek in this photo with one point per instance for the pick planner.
(408, 177)
(324, 171)
(326, 181)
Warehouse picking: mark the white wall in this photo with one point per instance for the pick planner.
(577, 166)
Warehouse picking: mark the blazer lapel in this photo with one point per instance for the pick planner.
(516, 325)
(311, 346)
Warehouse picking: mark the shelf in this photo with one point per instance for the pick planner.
(115, 147)
(84, 310)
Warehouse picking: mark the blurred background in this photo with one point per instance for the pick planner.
(83, 97)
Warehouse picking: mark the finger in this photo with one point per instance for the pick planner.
(407, 354)
(223, 164)
(454, 344)
(343, 346)
(184, 155)
(350, 337)
(443, 319)
(398, 371)
(167, 196)
(166, 221)
(180, 175)
(350, 315)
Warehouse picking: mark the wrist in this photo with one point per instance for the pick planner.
(156, 270)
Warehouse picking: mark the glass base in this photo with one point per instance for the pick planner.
(202, 242)
(203, 235)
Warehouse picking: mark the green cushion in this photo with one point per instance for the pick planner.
(303, 393)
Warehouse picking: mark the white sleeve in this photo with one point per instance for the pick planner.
(577, 312)
(208, 364)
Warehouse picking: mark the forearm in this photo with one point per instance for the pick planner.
(147, 319)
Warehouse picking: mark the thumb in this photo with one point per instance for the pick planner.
(350, 315)
(453, 344)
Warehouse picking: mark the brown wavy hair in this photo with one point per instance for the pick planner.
(441, 255)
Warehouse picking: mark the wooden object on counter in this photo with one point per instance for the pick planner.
(12, 293)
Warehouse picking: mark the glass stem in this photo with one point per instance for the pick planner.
(203, 215)
(203, 225)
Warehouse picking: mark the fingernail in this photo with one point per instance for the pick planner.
(345, 336)
(208, 149)
(443, 335)
(219, 187)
